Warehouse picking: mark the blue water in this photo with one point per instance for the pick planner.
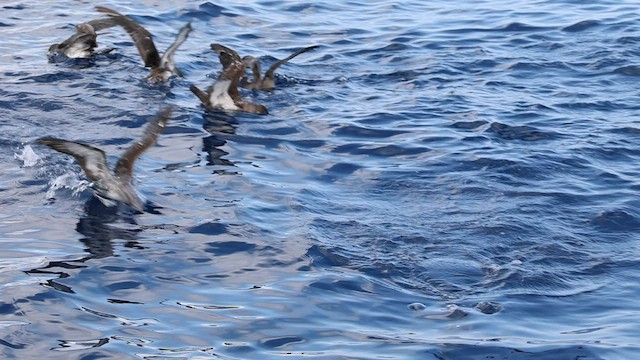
(439, 180)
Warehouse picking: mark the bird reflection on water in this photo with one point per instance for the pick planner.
(98, 239)
(221, 126)
(98, 232)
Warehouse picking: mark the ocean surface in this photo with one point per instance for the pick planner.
(438, 180)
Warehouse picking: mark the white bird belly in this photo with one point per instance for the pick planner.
(220, 98)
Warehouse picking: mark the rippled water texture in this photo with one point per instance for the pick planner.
(439, 180)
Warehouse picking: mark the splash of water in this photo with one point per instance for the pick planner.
(28, 157)
(69, 181)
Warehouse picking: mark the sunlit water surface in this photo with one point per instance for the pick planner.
(439, 180)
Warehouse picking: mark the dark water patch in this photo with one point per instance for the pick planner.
(524, 115)
(207, 11)
(393, 47)
(131, 122)
(488, 307)
(300, 8)
(12, 345)
(60, 287)
(400, 75)
(209, 229)
(619, 153)
(540, 66)
(179, 129)
(582, 26)
(342, 169)
(358, 285)
(358, 132)
(547, 45)
(325, 258)
(117, 142)
(469, 125)
(631, 70)
(628, 40)
(252, 140)
(7, 309)
(387, 118)
(307, 144)
(46, 105)
(618, 220)
(403, 39)
(377, 53)
(345, 42)
(462, 351)
(12, 74)
(282, 342)
(511, 168)
(281, 131)
(511, 27)
(338, 171)
(522, 132)
(479, 65)
(381, 151)
(224, 248)
(9, 105)
(53, 78)
(66, 345)
(124, 285)
(521, 27)
(15, 7)
(249, 36)
(604, 105)
(357, 31)
(627, 130)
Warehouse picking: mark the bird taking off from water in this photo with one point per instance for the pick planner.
(118, 185)
(162, 68)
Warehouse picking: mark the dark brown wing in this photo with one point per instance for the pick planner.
(221, 48)
(204, 98)
(156, 125)
(272, 69)
(93, 161)
(232, 69)
(140, 36)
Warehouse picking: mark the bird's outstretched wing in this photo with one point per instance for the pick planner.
(140, 36)
(167, 57)
(92, 160)
(270, 73)
(204, 98)
(100, 24)
(156, 125)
